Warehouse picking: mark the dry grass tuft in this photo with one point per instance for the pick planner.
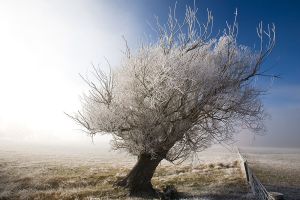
(84, 182)
(30, 175)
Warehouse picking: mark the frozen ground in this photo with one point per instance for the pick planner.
(277, 168)
(70, 173)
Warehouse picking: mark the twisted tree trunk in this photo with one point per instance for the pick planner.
(138, 181)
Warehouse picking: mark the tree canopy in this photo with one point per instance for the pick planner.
(181, 93)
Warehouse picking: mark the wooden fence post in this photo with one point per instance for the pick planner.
(256, 186)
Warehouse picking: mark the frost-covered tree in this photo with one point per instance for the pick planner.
(178, 95)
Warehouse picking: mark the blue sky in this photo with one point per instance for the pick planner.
(284, 14)
(45, 44)
(282, 101)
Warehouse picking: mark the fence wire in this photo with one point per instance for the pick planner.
(257, 187)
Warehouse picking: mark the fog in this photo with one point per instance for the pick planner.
(45, 44)
(282, 104)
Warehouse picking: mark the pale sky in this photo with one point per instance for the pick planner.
(44, 45)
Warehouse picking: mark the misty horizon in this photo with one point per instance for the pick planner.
(46, 44)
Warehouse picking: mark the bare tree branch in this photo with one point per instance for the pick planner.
(181, 94)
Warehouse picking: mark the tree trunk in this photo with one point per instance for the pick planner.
(138, 181)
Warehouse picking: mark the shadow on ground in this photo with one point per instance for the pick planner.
(290, 193)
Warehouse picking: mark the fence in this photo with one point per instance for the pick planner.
(257, 187)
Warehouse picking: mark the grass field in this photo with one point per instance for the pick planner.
(78, 174)
(278, 169)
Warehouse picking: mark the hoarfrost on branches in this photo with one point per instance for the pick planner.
(180, 94)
